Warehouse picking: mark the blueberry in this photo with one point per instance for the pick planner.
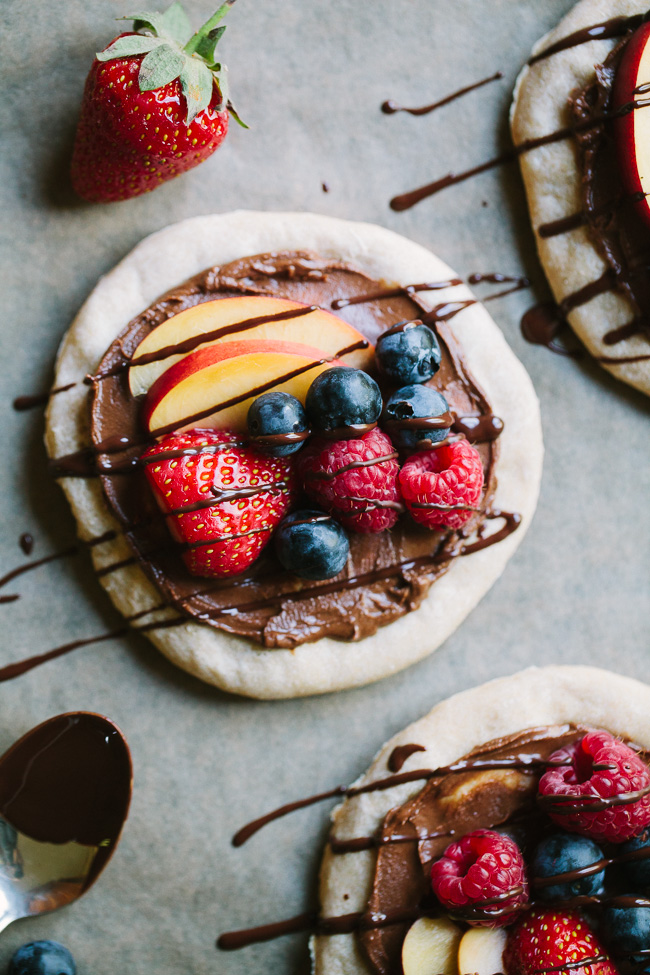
(563, 853)
(42, 958)
(409, 404)
(276, 415)
(626, 929)
(636, 873)
(341, 397)
(408, 353)
(311, 544)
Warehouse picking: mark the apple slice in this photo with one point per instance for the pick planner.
(248, 317)
(431, 947)
(214, 387)
(481, 951)
(632, 130)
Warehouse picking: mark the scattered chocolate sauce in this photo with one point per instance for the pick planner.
(407, 200)
(22, 403)
(543, 324)
(616, 27)
(28, 566)
(26, 543)
(69, 780)
(325, 187)
(390, 107)
(399, 755)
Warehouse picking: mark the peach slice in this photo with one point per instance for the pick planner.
(248, 317)
(481, 951)
(214, 387)
(632, 130)
(431, 947)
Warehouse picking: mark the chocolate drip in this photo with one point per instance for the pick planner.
(399, 292)
(616, 27)
(542, 324)
(611, 360)
(408, 200)
(389, 107)
(26, 543)
(28, 566)
(636, 327)
(10, 598)
(562, 226)
(481, 429)
(22, 403)
(400, 754)
(558, 804)
(330, 475)
(280, 439)
(512, 523)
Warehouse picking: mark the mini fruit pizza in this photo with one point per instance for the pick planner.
(581, 113)
(508, 831)
(294, 432)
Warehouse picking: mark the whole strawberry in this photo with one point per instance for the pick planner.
(155, 105)
(355, 480)
(222, 500)
(555, 941)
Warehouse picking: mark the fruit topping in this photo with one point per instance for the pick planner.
(416, 417)
(431, 947)
(355, 480)
(252, 317)
(626, 927)
(634, 862)
(155, 104)
(214, 387)
(555, 941)
(42, 958)
(481, 951)
(481, 878)
(408, 353)
(341, 402)
(312, 545)
(277, 424)
(632, 128)
(564, 853)
(222, 500)
(442, 487)
(600, 788)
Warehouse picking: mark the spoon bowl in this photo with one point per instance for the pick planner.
(65, 790)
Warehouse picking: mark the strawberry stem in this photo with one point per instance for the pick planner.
(209, 26)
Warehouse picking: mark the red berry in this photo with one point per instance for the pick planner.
(434, 481)
(152, 109)
(481, 878)
(220, 537)
(602, 790)
(546, 940)
(355, 480)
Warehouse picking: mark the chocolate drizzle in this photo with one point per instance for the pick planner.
(22, 403)
(389, 107)
(616, 27)
(400, 754)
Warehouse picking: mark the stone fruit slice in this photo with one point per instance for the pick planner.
(431, 947)
(214, 387)
(481, 951)
(633, 128)
(248, 317)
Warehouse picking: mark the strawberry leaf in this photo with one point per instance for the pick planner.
(151, 20)
(177, 23)
(197, 84)
(233, 112)
(129, 46)
(194, 41)
(206, 48)
(159, 67)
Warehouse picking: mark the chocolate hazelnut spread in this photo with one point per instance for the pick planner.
(387, 574)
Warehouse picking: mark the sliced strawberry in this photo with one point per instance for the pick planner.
(555, 941)
(223, 500)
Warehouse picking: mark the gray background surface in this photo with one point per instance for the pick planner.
(309, 77)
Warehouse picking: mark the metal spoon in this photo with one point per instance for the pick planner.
(65, 789)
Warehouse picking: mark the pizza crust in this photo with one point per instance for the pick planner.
(531, 698)
(552, 179)
(233, 663)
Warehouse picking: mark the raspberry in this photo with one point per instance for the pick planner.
(485, 873)
(603, 790)
(450, 476)
(355, 480)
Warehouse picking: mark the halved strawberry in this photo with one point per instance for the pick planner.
(547, 940)
(223, 500)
